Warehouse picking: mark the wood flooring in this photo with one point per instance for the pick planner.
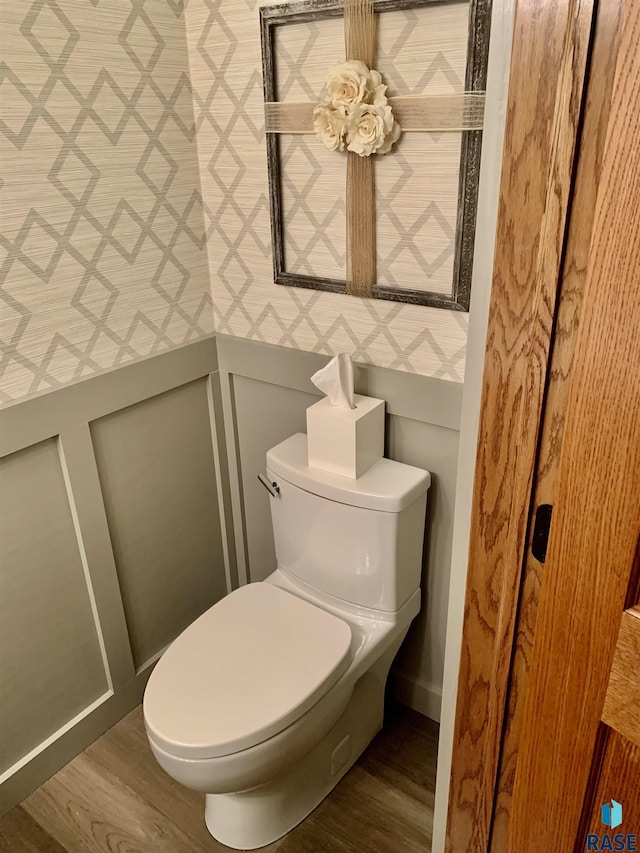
(114, 797)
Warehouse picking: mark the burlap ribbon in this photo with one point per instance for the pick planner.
(419, 113)
(360, 43)
(413, 113)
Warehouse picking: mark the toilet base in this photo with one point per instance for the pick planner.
(255, 818)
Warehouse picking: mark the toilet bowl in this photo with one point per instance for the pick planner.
(267, 699)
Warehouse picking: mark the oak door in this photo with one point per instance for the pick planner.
(580, 743)
(576, 745)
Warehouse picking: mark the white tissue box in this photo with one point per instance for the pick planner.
(345, 441)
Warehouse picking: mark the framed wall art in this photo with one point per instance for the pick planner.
(385, 205)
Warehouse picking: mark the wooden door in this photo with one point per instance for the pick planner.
(547, 725)
(549, 71)
(580, 740)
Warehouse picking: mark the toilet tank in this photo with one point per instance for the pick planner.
(359, 540)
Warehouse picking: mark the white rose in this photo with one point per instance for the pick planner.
(380, 100)
(371, 128)
(349, 83)
(379, 94)
(375, 79)
(329, 125)
(390, 139)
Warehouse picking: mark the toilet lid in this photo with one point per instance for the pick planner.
(248, 667)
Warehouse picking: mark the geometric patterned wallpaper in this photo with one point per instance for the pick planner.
(133, 200)
(225, 60)
(102, 246)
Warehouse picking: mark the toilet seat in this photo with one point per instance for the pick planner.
(210, 697)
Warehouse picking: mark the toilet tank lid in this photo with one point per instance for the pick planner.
(387, 486)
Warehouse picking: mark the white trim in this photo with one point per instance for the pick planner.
(235, 475)
(488, 198)
(418, 694)
(57, 734)
(85, 563)
(155, 657)
(219, 483)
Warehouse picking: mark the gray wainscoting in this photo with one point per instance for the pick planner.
(51, 663)
(130, 503)
(155, 461)
(110, 545)
(265, 392)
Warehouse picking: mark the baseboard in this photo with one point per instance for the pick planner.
(417, 694)
(29, 777)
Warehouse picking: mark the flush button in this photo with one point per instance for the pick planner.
(341, 755)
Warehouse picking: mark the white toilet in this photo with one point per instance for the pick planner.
(268, 698)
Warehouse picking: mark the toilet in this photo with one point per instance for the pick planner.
(266, 700)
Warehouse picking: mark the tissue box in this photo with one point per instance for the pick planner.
(346, 441)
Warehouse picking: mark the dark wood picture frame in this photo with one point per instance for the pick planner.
(301, 11)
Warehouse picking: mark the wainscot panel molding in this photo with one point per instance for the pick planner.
(217, 405)
(113, 493)
(265, 392)
(26, 422)
(51, 661)
(156, 462)
(421, 398)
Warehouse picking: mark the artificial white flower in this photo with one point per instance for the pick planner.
(375, 79)
(390, 139)
(348, 83)
(379, 94)
(371, 129)
(356, 113)
(329, 125)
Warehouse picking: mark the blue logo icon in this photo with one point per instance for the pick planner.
(612, 814)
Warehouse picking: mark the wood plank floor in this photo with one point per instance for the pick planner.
(114, 797)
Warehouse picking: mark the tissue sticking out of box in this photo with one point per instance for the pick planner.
(345, 431)
(335, 380)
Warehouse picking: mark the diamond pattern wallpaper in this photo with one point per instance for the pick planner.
(102, 247)
(225, 59)
(134, 202)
